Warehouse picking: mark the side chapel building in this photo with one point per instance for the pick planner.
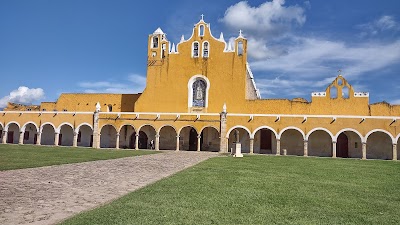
(198, 94)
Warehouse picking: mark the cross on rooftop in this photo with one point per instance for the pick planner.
(202, 16)
(240, 33)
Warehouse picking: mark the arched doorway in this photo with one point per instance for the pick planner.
(264, 141)
(149, 134)
(85, 136)
(30, 133)
(293, 141)
(66, 136)
(188, 139)
(244, 139)
(108, 137)
(1, 132)
(398, 149)
(13, 134)
(210, 139)
(320, 144)
(167, 138)
(125, 135)
(47, 137)
(379, 146)
(342, 146)
(143, 141)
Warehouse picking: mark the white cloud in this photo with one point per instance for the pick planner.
(395, 102)
(22, 95)
(135, 84)
(269, 18)
(384, 23)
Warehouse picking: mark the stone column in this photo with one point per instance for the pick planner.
(117, 141)
(199, 143)
(394, 151)
(96, 131)
(136, 141)
(251, 145)
(223, 145)
(56, 138)
(157, 142)
(177, 143)
(39, 138)
(278, 146)
(75, 142)
(305, 148)
(21, 138)
(364, 150)
(4, 139)
(333, 149)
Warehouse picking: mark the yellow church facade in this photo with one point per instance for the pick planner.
(201, 95)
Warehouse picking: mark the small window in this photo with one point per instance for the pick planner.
(205, 49)
(334, 92)
(240, 48)
(155, 42)
(195, 49)
(340, 82)
(29, 109)
(43, 109)
(345, 92)
(64, 110)
(201, 30)
(109, 108)
(154, 54)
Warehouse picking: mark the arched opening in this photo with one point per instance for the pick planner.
(167, 138)
(244, 138)
(211, 139)
(195, 50)
(345, 92)
(30, 134)
(142, 141)
(1, 132)
(188, 139)
(150, 133)
(108, 137)
(125, 137)
(349, 145)
(334, 92)
(265, 141)
(292, 140)
(13, 134)
(201, 30)
(379, 146)
(47, 137)
(199, 93)
(85, 136)
(206, 47)
(155, 42)
(240, 48)
(66, 137)
(320, 144)
(109, 108)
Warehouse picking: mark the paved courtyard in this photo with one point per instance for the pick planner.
(48, 195)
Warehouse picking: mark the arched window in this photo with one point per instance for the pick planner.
(334, 92)
(205, 49)
(109, 107)
(154, 42)
(240, 48)
(199, 93)
(201, 30)
(195, 52)
(345, 92)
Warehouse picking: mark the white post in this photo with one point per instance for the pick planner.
(305, 148)
(5, 134)
(136, 141)
(177, 143)
(39, 138)
(157, 142)
(75, 142)
(394, 151)
(278, 146)
(364, 150)
(199, 143)
(251, 145)
(334, 149)
(21, 138)
(117, 141)
(56, 138)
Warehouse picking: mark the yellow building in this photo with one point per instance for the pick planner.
(201, 95)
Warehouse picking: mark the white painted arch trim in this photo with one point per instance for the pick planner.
(190, 88)
(319, 128)
(108, 125)
(126, 124)
(83, 124)
(140, 128)
(213, 127)
(47, 123)
(291, 128)
(12, 122)
(239, 126)
(68, 124)
(397, 138)
(264, 127)
(380, 130)
(180, 130)
(352, 130)
(30, 122)
(168, 125)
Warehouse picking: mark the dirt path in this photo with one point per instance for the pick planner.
(48, 195)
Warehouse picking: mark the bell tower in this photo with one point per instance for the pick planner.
(157, 45)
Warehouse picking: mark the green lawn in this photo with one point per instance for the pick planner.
(263, 190)
(27, 156)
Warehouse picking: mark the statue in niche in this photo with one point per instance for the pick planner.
(199, 93)
(199, 87)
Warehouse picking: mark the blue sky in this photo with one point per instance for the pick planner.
(49, 47)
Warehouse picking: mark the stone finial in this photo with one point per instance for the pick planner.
(221, 37)
(182, 39)
(224, 108)
(98, 107)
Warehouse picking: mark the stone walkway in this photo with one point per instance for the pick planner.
(48, 195)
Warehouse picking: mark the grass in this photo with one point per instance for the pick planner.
(28, 156)
(263, 190)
